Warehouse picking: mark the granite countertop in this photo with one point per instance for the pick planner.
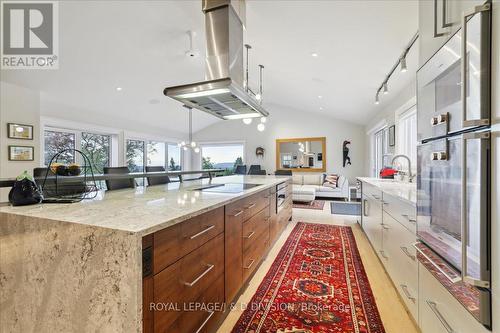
(405, 191)
(145, 210)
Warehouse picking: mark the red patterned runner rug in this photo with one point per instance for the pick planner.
(317, 283)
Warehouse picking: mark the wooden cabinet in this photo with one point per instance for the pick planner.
(438, 21)
(206, 260)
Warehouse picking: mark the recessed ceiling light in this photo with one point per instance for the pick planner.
(321, 108)
(119, 88)
(314, 54)
(320, 96)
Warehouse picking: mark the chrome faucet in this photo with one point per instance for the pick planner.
(410, 175)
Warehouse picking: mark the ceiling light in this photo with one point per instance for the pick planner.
(314, 54)
(320, 96)
(242, 116)
(193, 144)
(263, 119)
(321, 108)
(119, 88)
(258, 97)
(403, 65)
(197, 150)
(386, 90)
(185, 148)
(377, 99)
(247, 121)
(261, 127)
(205, 93)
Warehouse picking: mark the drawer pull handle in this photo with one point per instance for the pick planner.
(404, 287)
(250, 265)
(238, 214)
(202, 232)
(408, 254)
(384, 226)
(205, 322)
(250, 235)
(209, 268)
(438, 314)
(251, 206)
(382, 253)
(412, 220)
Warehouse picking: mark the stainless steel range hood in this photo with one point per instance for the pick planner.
(222, 94)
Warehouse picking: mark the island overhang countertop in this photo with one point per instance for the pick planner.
(406, 192)
(144, 210)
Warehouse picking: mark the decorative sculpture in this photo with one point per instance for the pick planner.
(259, 152)
(345, 149)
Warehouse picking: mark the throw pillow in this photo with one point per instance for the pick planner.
(331, 181)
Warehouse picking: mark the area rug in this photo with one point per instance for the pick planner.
(315, 204)
(317, 283)
(346, 208)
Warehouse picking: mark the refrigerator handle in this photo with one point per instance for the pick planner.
(464, 59)
(465, 226)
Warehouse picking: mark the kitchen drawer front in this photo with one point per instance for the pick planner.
(371, 191)
(173, 243)
(187, 279)
(249, 206)
(274, 229)
(253, 255)
(254, 228)
(401, 262)
(440, 312)
(401, 211)
(193, 319)
(372, 223)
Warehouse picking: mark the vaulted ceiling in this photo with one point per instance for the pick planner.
(140, 47)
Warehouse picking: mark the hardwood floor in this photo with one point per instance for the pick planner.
(392, 311)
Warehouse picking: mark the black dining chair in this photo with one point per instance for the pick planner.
(260, 172)
(283, 172)
(117, 184)
(240, 170)
(254, 169)
(158, 180)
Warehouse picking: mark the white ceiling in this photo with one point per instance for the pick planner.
(140, 46)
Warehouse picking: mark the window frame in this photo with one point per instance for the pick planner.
(401, 116)
(145, 140)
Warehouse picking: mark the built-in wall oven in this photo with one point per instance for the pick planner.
(453, 201)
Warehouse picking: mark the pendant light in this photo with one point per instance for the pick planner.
(190, 144)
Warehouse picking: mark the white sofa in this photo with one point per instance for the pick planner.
(306, 187)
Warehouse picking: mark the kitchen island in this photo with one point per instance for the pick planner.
(96, 265)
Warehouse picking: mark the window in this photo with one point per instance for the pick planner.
(57, 141)
(380, 150)
(97, 147)
(406, 140)
(135, 155)
(156, 153)
(174, 157)
(222, 156)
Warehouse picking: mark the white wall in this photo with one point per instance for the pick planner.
(17, 105)
(288, 123)
(387, 115)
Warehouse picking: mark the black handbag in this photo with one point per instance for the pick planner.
(25, 192)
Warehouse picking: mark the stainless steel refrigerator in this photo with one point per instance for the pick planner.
(453, 201)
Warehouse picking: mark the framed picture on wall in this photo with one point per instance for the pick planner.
(392, 136)
(21, 153)
(19, 131)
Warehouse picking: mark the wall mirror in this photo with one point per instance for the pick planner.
(301, 154)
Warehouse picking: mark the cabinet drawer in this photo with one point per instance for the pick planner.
(249, 206)
(401, 262)
(173, 243)
(199, 320)
(187, 279)
(401, 211)
(253, 255)
(371, 191)
(274, 229)
(440, 311)
(255, 227)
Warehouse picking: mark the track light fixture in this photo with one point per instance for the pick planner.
(400, 62)
(403, 64)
